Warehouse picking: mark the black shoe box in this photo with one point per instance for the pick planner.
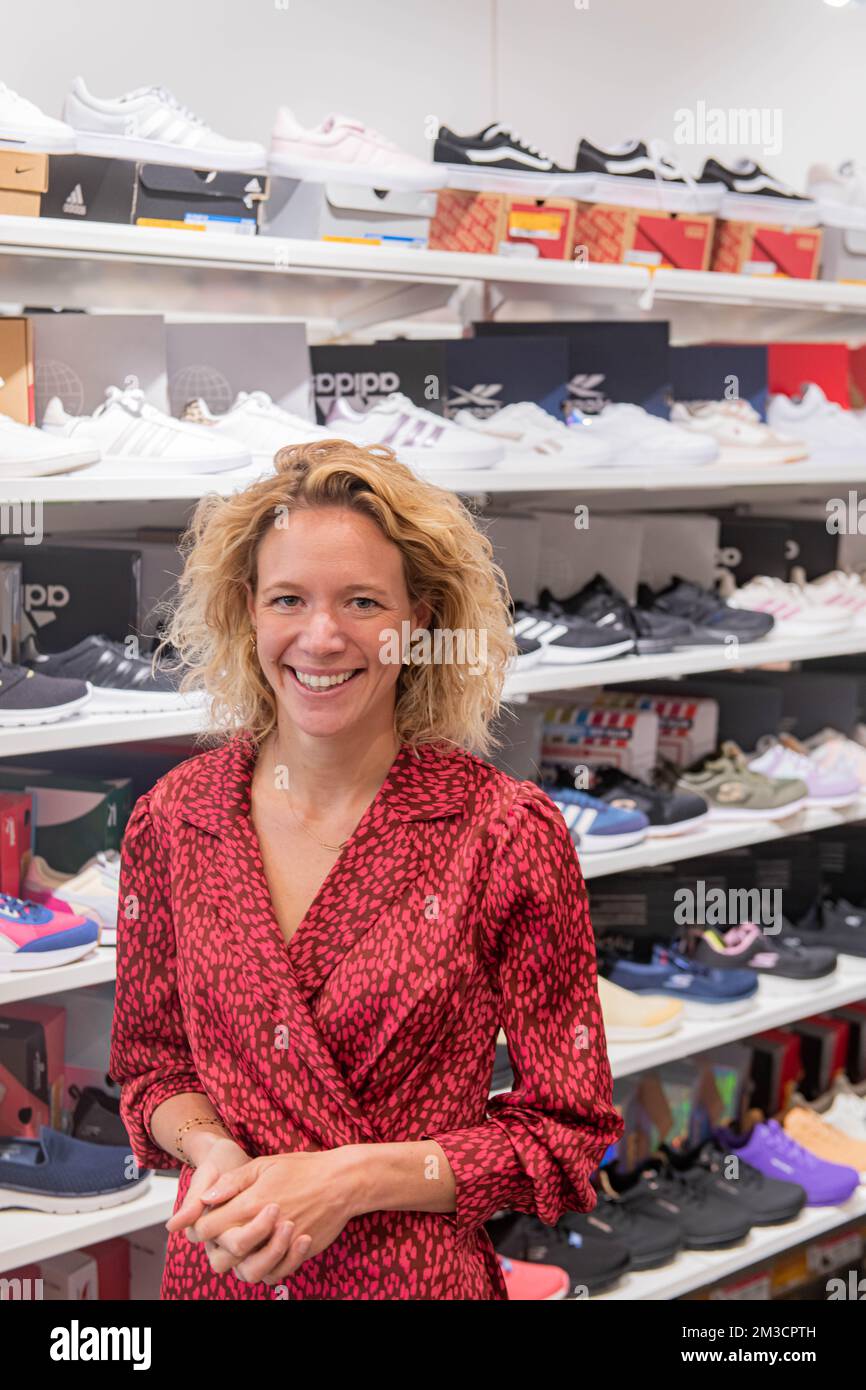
(750, 546)
(720, 371)
(367, 373)
(69, 594)
(169, 195)
(86, 188)
(485, 374)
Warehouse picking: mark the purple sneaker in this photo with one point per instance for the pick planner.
(769, 1149)
(828, 784)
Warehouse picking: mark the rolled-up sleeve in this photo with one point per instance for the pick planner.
(150, 1056)
(540, 1143)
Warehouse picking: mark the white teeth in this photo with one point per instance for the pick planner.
(322, 682)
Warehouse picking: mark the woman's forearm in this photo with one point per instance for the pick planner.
(174, 1113)
(399, 1177)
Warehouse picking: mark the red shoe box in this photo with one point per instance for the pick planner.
(23, 1284)
(16, 833)
(635, 236)
(32, 1040)
(112, 1266)
(752, 248)
(484, 223)
(791, 365)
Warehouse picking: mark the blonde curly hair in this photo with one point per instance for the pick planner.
(447, 561)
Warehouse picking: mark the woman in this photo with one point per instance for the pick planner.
(329, 916)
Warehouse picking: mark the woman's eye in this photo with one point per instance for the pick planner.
(289, 600)
(361, 599)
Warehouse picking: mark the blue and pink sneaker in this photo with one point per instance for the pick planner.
(35, 937)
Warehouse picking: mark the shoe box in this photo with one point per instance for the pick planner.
(687, 724)
(366, 373)
(10, 611)
(100, 1271)
(496, 223)
(62, 598)
(811, 700)
(749, 546)
(340, 212)
(78, 356)
(855, 1017)
(634, 236)
(32, 1046)
(757, 248)
(576, 735)
(484, 374)
(828, 365)
(717, 372)
(147, 1250)
(23, 181)
(215, 361)
(776, 1070)
(16, 838)
(735, 710)
(73, 818)
(89, 188)
(85, 188)
(844, 255)
(16, 369)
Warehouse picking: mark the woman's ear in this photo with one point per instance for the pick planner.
(422, 614)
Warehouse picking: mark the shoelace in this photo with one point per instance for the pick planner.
(130, 397)
(171, 100)
(516, 139)
(666, 167)
(21, 909)
(788, 1147)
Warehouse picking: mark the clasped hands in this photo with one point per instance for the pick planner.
(267, 1215)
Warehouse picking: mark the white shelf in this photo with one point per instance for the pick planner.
(97, 968)
(27, 1236)
(694, 1269)
(95, 730)
(775, 1004)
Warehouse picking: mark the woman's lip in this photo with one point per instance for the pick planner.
(323, 690)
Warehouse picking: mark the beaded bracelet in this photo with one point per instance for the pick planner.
(199, 1120)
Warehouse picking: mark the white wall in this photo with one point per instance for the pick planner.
(554, 69)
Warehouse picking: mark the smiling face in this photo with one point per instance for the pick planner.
(329, 584)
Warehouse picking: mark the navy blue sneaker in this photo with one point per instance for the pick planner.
(705, 993)
(59, 1174)
(596, 826)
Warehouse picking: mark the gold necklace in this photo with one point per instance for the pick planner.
(334, 848)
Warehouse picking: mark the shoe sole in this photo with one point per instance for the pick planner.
(601, 844)
(108, 701)
(629, 1035)
(785, 984)
(759, 207)
(36, 141)
(772, 813)
(727, 1008)
(556, 655)
(43, 468)
(662, 832)
(625, 191)
(22, 719)
(359, 175)
(45, 960)
(714, 1242)
(48, 1202)
(157, 152)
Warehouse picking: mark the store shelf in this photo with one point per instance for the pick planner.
(27, 1236)
(96, 968)
(694, 1269)
(776, 1003)
(95, 730)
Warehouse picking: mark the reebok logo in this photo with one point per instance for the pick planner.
(362, 387)
(481, 400)
(75, 205)
(77, 1343)
(585, 391)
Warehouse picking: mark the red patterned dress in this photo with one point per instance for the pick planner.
(457, 906)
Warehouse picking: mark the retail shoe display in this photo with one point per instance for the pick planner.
(93, 891)
(638, 439)
(121, 683)
(28, 697)
(833, 435)
(262, 427)
(96, 1118)
(826, 786)
(767, 1201)
(668, 812)
(592, 1261)
(533, 1283)
(597, 828)
(630, 1017)
(643, 175)
(33, 937)
(570, 641)
(711, 618)
(646, 1231)
(735, 791)
(24, 127)
(776, 956)
(840, 194)
(345, 150)
(840, 925)
(418, 437)
(830, 749)
(793, 612)
(848, 1115)
(28, 452)
(150, 123)
(687, 1199)
(776, 1154)
(600, 602)
(495, 149)
(752, 195)
(525, 429)
(825, 1141)
(135, 438)
(837, 592)
(739, 431)
(56, 1173)
(704, 993)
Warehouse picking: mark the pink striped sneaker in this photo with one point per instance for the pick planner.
(34, 937)
(796, 614)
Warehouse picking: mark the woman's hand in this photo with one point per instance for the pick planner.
(274, 1212)
(214, 1159)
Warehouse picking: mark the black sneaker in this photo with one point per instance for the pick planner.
(768, 1201)
(121, 683)
(639, 175)
(668, 812)
(30, 697)
(778, 955)
(529, 653)
(651, 1241)
(747, 180)
(652, 632)
(570, 641)
(493, 148)
(706, 1221)
(593, 1261)
(838, 925)
(710, 618)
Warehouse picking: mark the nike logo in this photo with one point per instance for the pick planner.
(26, 170)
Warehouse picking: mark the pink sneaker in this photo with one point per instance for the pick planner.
(532, 1283)
(343, 149)
(35, 937)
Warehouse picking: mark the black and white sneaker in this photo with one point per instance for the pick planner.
(28, 697)
(570, 641)
(122, 684)
(495, 158)
(669, 812)
(752, 192)
(636, 174)
(653, 632)
(530, 652)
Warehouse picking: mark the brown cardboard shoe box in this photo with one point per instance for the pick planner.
(16, 370)
(487, 223)
(637, 236)
(756, 248)
(23, 180)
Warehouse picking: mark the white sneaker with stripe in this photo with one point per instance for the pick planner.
(418, 437)
(150, 123)
(135, 438)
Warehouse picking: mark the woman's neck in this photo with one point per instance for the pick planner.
(331, 775)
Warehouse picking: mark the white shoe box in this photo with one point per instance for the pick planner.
(340, 212)
(72, 1277)
(147, 1261)
(844, 254)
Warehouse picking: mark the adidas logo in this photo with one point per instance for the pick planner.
(586, 392)
(481, 400)
(40, 601)
(75, 204)
(362, 387)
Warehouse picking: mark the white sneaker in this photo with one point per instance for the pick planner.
(640, 440)
(344, 149)
(840, 195)
(525, 428)
(848, 1113)
(418, 437)
(150, 123)
(92, 892)
(831, 433)
(838, 592)
(739, 431)
(135, 438)
(24, 127)
(795, 614)
(28, 452)
(254, 421)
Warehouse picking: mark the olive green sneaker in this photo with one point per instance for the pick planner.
(734, 792)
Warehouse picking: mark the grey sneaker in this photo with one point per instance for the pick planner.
(735, 792)
(28, 698)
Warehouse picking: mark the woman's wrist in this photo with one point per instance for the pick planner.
(198, 1142)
